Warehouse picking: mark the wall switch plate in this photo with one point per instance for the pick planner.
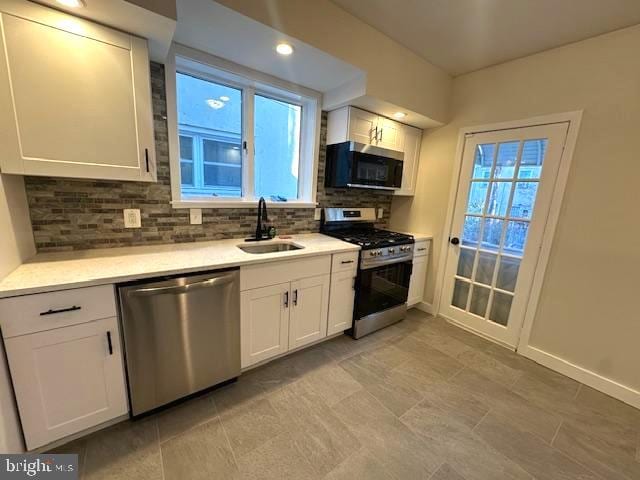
(317, 214)
(132, 218)
(380, 212)
(195, 216)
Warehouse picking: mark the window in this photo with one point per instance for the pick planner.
(240, 135)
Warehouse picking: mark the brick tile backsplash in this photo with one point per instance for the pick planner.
(72, 214)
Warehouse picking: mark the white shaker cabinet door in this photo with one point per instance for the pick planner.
(309, 310)
(75, 98)
(341, 302)
(418, 280)
(363, 126)
(412, 141)
(67, 379)
(390, 134)
(264, 323)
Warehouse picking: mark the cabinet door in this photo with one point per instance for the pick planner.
(67, 379)
(418, 279)
(341, 302)
(309, 309)
(390, 134)
(412, 141)
(264, 323)
(80, 106)
(362, 126)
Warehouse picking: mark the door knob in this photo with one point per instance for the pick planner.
(454, 240)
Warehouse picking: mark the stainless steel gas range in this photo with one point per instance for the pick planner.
(384, 267)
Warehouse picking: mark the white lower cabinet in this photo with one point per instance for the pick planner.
(67, 379)
(419, 273)
(264, 323)
(341, 302)
(309, 309)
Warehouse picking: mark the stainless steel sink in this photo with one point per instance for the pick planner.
(270, 247)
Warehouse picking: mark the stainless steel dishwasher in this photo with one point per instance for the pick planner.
(181, 336)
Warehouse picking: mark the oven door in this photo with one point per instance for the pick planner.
(383, 287)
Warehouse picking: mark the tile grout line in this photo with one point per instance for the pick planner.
(553, 439)
(160, 449)
(578, 390)
(480, 421)
(226, 436)
(436, 471)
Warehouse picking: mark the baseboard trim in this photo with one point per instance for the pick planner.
(605, 385)
(423, 307)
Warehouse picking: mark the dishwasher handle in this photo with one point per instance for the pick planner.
(211, 282)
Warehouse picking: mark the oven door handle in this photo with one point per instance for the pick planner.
(366, 264)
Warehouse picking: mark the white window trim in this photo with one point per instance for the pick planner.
(193, 61)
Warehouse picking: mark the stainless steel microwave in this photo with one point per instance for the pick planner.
(352, 164)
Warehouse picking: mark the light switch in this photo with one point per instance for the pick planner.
(317, 214)
(132, 218)
(195, 216)
(380, 212)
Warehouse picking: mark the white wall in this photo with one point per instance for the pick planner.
(16, 245)
(588, 311)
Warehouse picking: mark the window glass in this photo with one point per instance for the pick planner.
(211, 114)
(277, 148)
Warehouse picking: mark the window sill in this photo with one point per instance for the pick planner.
(239, 204)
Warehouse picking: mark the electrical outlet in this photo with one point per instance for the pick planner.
(380, 212)
(317, 214)
(195, 216)
(132, 218)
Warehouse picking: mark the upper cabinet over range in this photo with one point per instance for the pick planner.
(355, 125)
(75, 97)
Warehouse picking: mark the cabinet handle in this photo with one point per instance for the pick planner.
(60, 310)
(146, 158)
(109, 343)
(344, 262)
(376, 134)
(286, 299)
(421, 249)
(381, 130)
(295, 297)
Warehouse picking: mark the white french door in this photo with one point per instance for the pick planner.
(506, 184)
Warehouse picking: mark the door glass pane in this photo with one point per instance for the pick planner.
(460, 294)
(508, 273)
(483, 160)
(486, 266)
(477, 197)
(471, 231)
(500, 308)
(506, 160)
(492, 234)
(533, 152)
(516, 237)
(211, 113)
(277, 148)
(465, 262)
(479, 300)
(499, 199)
(524, 198)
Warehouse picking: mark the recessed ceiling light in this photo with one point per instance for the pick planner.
(399, 114)
(72, 3)
(284, 49)
(224, 98)
(215, 104)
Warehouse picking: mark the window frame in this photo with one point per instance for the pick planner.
(208, 67)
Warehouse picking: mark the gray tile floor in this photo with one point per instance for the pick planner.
(419, 400)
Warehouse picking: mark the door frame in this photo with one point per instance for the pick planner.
(573, 119)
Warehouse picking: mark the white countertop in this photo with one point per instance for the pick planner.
(58, 271)
(419, 236)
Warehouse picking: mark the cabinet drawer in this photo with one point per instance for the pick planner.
(421, 248)
(342, 262)
(265, 274)
(45, 311)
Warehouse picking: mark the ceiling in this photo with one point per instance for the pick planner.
(461, 36)
(212, 28)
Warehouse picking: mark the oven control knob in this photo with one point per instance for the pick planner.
(391, 250)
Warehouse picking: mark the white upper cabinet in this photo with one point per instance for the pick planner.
(75, 97)
(355, 125)
(412, 138)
